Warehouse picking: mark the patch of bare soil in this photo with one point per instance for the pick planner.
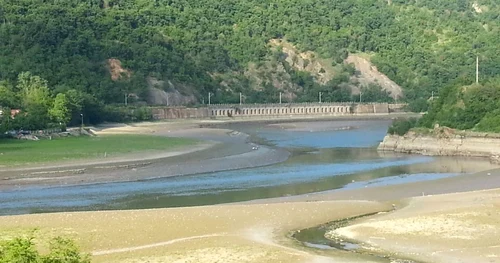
(370, 74)
(116, 70)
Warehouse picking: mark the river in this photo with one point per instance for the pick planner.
(326, 156)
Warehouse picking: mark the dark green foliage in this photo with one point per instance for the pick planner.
(126, 114)
(67, 42)
(22, 250)
(490, 122)
(467, 107)
(421, 45)
(374, 93)
(418, 105)
(402, 126)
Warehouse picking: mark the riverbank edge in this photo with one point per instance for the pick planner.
(84, 172)
(149, 128)
(432, 145)
(418, 246)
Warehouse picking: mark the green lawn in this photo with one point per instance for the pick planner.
(19, 152)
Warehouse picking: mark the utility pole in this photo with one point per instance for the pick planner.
(280, 97)
(167, 99)
(320, 94)
(126, 99)
(240, 98)
(477, 69)
(209, 95)
(360, 93)
(432, 96)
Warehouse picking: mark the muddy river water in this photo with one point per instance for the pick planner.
(326, 158)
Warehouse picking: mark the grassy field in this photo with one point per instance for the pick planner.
(19, 152)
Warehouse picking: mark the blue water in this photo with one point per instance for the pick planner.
(362, 137)
(341, 159)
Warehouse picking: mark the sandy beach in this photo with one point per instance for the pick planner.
(460, 227)
(224, 233)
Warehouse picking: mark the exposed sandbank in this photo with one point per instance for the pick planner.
(236, 233)
(460, 227)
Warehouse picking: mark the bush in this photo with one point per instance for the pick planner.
(22, 250)
(127, 114)
(418, 105)
(402, 126)
(490, 122)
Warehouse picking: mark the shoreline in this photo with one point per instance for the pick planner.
(210, 133)
(219, 150)
(266, 226)
(440, 228)
(444, 142)
(258, 231)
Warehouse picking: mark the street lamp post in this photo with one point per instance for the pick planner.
(81, 115)
(320, 94)
(209, 96)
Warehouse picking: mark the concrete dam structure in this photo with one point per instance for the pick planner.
(275, 110)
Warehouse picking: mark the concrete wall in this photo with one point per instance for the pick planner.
(253, 110)
(179, 113)
(248, 110)
(397, 107)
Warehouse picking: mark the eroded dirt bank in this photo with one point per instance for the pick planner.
(444, 142)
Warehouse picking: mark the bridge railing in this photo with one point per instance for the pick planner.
(298, 104)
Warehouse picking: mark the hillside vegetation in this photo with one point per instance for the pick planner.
(192, 47)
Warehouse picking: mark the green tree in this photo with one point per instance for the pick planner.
(59, 111)
(8, 97)
(34, 90)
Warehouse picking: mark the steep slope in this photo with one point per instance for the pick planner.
(420, 45)
(369, 74)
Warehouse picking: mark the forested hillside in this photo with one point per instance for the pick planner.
(211, 46)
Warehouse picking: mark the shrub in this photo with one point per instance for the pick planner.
(402, 126)
(22, 250)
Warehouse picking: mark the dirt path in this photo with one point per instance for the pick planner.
(158, 244)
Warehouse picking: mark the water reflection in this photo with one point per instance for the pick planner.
(310, 169)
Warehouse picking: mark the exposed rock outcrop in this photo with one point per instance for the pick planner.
(167, 93)
(369, 74)
(464, 144)
(305, 61)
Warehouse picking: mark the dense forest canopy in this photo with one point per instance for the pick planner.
(422, 45)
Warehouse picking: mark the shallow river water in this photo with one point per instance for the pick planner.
(323, 159)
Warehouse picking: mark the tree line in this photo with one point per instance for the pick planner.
(40, 107)
(422, 45)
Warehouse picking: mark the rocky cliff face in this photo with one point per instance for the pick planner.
(457, 145)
